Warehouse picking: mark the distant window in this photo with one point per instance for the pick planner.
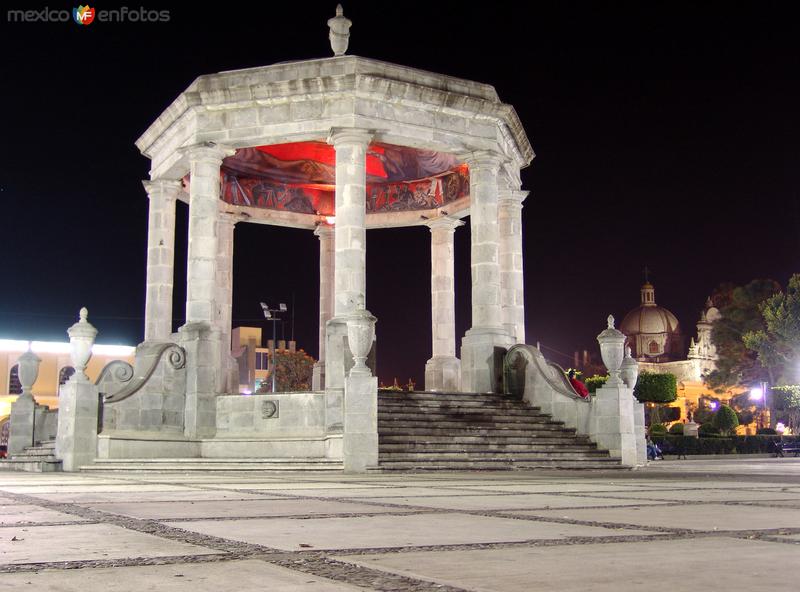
(14, 385)
(262, 360)
(653, 347)
(64, 374)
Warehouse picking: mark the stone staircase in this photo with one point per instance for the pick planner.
(468, 431)
(34, 459)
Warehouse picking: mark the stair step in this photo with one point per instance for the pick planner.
(172, 465)
(462, 447)
(499, 465)
(422, 429)
(460, 438)
(490, 454)
(30, 465)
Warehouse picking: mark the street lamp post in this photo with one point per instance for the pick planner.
(760, 393)
(270, 315)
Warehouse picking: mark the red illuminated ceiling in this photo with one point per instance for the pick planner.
(300, 177)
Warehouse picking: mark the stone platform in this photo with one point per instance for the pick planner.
(726, 523)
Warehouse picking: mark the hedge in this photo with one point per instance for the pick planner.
(656, 388)
(717, 445)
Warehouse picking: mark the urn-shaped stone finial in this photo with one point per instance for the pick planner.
(339, 31)
(629, 370)
(81, 339)
(612, 342)
(360, 335)
(28, 372)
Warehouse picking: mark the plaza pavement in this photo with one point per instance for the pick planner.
(721, 524)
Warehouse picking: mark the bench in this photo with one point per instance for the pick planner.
(782, 449)
(676, 449)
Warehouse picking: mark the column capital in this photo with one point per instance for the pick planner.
(350, 135)
(207, 151)
(228, 218)
(483, 159)
(165, 188)
(511, 197)
(444, 223)
(324, 231)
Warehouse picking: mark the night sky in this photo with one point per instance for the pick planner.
(666, 136)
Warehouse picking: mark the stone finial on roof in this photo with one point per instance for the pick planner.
(339, 31)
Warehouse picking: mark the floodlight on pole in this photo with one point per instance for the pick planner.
(268, 314)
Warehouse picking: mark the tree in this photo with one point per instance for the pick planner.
(656, 389)
(777, 343)
(740, 314)
(725, 420)
(777, 347)
(294, 370)
(786, 406)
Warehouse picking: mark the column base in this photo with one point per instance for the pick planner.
(482, 353)
(613, 424)
(443, 373)
(204, 374)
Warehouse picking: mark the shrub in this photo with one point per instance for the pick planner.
(595, 382)
(669, 414)
(766, 432)
(676, 429)
(656, 388)
(658, 428)
(725, 420)
(708, 429)
(733, 445)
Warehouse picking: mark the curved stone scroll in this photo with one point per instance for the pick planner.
(148, 356)
(116, 371)
(514, 366)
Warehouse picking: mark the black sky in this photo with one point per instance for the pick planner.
(666, 135)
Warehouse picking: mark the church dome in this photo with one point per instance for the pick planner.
(652, 330)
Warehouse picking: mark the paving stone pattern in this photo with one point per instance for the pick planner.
(732, 524)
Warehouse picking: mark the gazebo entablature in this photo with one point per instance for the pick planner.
(304, 101)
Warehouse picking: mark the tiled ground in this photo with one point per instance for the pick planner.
(731, 524)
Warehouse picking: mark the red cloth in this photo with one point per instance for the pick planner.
(579, 387)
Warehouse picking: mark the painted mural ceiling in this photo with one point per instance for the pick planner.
(300, 177)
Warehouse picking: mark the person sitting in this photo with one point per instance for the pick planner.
(653, 451)
(579, 387)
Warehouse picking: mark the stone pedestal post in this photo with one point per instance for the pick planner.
(613, 424)
(349, 261)
(512, 277)
(485, 344)
(443, 370)
(360, 438)
(78, 402)
(24, 409)
(325, 233)
(160, 258)
(201, 337)
(224, 302)
(639, 432)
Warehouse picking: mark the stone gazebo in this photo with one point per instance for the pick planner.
(337, 146)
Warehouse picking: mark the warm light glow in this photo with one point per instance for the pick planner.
(330, 220)
(756, 394)
(60, 347)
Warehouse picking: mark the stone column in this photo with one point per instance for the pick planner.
(485, 344)
(349, 273)
(443, 370)
(325, 234)
(350, 261)
(224, 299)
(160, 258)
(201, 336)
(512, 278)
